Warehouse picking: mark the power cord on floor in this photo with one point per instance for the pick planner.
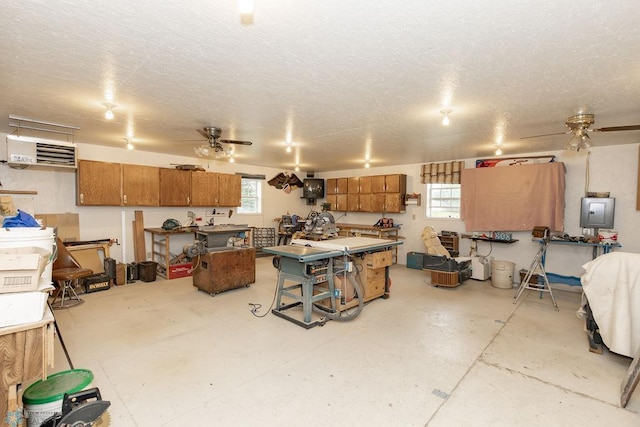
(255, 306)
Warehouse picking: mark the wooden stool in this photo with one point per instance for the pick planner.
(65, 274)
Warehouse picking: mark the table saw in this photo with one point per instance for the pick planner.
(309, 263)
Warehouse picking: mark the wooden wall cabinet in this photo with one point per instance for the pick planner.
(359, 203)
(175, 187)
(98, 183)
(359, 185)
(230, 190)
(210, 189)
(140, 185)
(116, 184)
(378, 193)
(396, 183)
(337, 185)
(339, 202)
(204, 189)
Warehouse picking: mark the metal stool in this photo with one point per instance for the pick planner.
(66, 273)
(537, 266)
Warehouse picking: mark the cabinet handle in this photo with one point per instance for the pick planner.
(188, 200)
(81, 198)
(125, 199)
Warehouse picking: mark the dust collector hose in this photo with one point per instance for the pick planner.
(349, 316)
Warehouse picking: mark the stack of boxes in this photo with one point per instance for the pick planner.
(25, 274)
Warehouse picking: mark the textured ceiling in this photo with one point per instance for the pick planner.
(341, 79)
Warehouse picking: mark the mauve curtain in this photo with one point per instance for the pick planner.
(513, 198)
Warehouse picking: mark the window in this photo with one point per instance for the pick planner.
(443, 200)
(251, 196)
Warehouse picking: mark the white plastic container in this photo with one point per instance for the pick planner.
(20, 237)
(502, 274)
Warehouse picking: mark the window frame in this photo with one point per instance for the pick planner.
(450, 212)
(257, 197)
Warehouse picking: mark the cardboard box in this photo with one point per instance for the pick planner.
(21, 268)
(180, 270)
(23, 307)
(67, 225)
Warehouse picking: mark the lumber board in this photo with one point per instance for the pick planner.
(631, 380)
(138, 237)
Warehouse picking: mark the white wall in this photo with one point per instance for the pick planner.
(613, 169)
(57, 194)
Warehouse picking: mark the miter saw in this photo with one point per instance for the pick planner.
(320, 225)
(82, 409)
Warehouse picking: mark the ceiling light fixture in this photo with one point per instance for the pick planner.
(445, 119)
(129, 144)
(245, 7)
(579, 141)
(498, 151)
(109, 113)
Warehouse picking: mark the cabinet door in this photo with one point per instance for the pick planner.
(353, 185)
(140, 185)
(378, 202)
(365, 203)
(229, 190)
(365, 184)
(204, 188)
(353, 202)
(175, 187)
(395, 183)
(394, 203)
(343, 185)
(332, 187)
(98, 184)
(377, 184)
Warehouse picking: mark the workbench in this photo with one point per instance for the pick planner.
(309, 263)
(361, 230)
(26, 353)
(160, 248)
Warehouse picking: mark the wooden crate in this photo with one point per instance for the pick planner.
(444, 278)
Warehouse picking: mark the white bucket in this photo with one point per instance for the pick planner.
(502, 274)
(20, 237)
(43, 399)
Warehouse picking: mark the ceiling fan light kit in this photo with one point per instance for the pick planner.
(212, 134)
(579, 128)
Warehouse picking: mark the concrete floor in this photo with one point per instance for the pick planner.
(166, 354)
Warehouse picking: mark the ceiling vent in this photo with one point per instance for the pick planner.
(24, 151)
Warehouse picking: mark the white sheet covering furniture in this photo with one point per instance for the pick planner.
(611, 284)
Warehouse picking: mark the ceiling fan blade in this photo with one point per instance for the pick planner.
(233, 141)
(546, 134)
(617, 128)
(203, 133)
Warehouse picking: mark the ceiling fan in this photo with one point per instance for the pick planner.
(579, 125)
(214, 146)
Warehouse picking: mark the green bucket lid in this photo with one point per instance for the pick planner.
(56, 385)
